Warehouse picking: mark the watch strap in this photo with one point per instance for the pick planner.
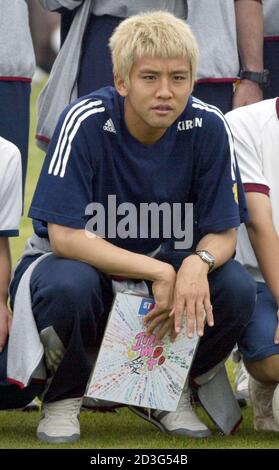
(261, 78)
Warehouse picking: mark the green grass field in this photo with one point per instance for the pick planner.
(121, 430)
(124, 430)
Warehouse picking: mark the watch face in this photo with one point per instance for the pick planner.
(207, 257)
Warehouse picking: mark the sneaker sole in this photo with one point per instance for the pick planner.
(180, 432)
(57, 439)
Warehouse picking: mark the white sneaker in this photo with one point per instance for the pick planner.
(241, 384)
(60, 421)
(183, 421)
(261, 396)
(95, 404)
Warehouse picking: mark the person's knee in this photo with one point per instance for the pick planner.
(244, 288)
(68, 299)
(265, 370)
(238, 289)
(73, 289)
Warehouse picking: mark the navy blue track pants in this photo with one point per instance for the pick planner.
(75, 298)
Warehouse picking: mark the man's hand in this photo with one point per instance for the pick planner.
(247, 92)
(163, 290)
(276, 336)
(192, 296)
(5, 325)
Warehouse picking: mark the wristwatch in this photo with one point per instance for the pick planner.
(207, 258)
(262, 78)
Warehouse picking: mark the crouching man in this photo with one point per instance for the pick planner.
(133, 144)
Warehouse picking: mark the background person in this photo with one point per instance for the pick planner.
(17, 66)
(230, 38)
(271, 47)
(10, 211)
(256, 134)
(92, 53)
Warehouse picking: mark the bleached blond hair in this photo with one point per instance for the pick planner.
(155, 34)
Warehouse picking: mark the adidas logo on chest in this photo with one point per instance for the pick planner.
(109, 126)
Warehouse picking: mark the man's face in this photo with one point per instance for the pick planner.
(157, 94)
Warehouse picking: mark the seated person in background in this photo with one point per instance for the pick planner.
(10, 211)
(144, 142)
(256, 134)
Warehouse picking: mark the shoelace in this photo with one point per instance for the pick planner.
(70, 407)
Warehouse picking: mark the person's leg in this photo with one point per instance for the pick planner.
(70, 302)
(15, 116)
(261, 357)
(265, 370)
(11, 396)
(260, 353)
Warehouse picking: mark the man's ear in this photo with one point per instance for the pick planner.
(120, 86)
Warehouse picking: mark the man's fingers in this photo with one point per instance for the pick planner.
(164, 329)
(171, 314)
(190, 325)
(190, 319)
(200, 316)
(179, 312)
(154, 323)
(151, 314)
(155, 312)
(276, 336)
(209, 312)
(173, 334)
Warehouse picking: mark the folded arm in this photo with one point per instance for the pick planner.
(103, 255)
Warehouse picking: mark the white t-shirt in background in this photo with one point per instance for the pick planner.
(10, 189)
(256, 134)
